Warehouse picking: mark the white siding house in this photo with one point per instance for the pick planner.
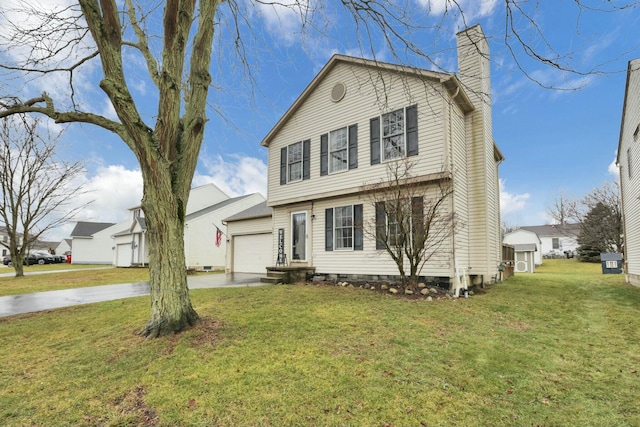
(92, 242)
(525, 239)
(207, 207)
(349, 125)
(629, 163)
(556, 239)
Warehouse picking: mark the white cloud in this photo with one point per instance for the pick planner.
(511, 203)
(236, 176)
(110, 193)
(284, 18)
(472, 9)
(613, 166)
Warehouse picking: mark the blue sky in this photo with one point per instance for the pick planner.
(553, 140)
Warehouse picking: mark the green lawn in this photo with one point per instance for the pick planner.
(81, 276)
(559, 347)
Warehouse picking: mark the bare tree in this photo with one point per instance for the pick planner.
(37, 186)
(562, 209)
(413, 218)
(598, 215)
(173, 39)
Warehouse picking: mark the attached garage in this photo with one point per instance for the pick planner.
(252, 253)
(123, 255)
(250, 248)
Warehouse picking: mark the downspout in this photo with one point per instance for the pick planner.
(456, 280)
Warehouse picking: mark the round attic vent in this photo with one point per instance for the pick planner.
(338, 92)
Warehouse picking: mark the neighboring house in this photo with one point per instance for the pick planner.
(250, 236)
(356, 117)
(64, 247)
(629, 163)
(556, 239)
(4, 241)
(208, 206)
(92, 242)
(525, 238)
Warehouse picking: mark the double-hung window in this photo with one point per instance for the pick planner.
(295, 162)
(343, 228)
(399, 223)
(394, 135)
(338, 150)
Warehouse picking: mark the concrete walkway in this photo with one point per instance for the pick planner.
(40, 301)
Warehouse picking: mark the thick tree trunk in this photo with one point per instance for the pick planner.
(171, 309)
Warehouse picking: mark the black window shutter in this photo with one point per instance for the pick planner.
(412, 130)
(375, 140)
(283, 166)
(381, 227)
(324, 154)
(417, 213)
(357, 228)
(328, 229)
(353, 146)
(306, 159)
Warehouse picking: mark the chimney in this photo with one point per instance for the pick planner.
(473, 65)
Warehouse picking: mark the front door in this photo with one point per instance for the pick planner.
(299, 236)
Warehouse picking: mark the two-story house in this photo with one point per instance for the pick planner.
(354, 119)
(629, 164)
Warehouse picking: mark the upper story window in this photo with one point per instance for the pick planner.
(393, 138)
(629, 163)
(339, 150)
(295, 162)
(394, 135)
(343, 228)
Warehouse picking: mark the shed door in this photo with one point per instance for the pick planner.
(124, 255)
(252, 253)
(522, 262)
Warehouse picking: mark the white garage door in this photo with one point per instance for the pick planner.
(252, 253)
(124, 255)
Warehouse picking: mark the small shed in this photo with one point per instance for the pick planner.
(525, 261)
(611, 263)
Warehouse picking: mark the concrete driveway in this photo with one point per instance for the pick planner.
(40, 301)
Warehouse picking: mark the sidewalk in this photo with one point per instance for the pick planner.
(40, 301)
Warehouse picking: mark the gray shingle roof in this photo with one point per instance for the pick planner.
(554, 230)
(88, 229)
(260, 210)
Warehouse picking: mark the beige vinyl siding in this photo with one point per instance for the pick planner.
(484, 217)
(319, 115)
(368, 261)
(631, 186)
(250, 226)
(282, 219)
(457, 137)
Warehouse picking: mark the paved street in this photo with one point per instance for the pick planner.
(39, 301)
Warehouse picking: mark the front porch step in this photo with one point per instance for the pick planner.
(271, 280)
(273, 277)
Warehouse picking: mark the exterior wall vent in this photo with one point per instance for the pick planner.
(338, 92)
